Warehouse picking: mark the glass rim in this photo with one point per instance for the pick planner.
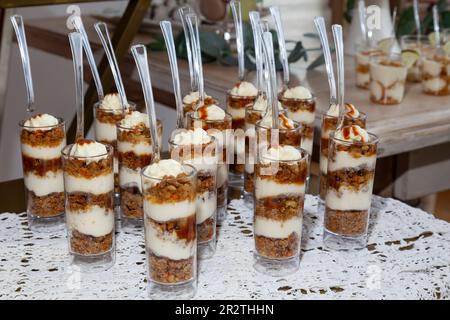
(191, 174)
(118, 125)
(303, 155)
(374, 139)
(67, 148)
(191, 115)
(98, 104)
(61, 122)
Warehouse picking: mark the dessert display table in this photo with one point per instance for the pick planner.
(406, 258)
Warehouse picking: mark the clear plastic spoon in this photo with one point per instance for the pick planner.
(275, 11)
(78, 24)
(321, 29)
(417, 17)
(436, 26)
(339, 45)
(192, 21)
(362, 20)
(256, 28)
(102, 31)
(184, 11)
(18, 25)
(76, 45)
(272, 100)
(166, 28)
(237, 17)
(139, 52)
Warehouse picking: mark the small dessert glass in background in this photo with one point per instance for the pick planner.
(278, 212)
(351, 171)
(134, 148)
(190, 102)
(170, 233)
(435, 73)
(43, 175)
(89, 187)
(387, 79)
(328, 126)
(362, 61)
(217, 129)
(419, 44)
(203, 158)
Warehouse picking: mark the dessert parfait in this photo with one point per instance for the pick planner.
(436, 73)
(351, 171)
(418, 43)
(170, 228)
(195, 147)
(280, 179)
(190, 101)
(300, 106)
(290, 131)
(238, 98)
(362, 62)
(134, 147)
(42, 138)
(387, 79)
(216, 122)
(328, 126)
(89, 186)
(106, 114)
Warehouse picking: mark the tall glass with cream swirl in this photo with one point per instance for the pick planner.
(300, 106)
(280, 183)
(328, 126)
(170, 194)
(89, 186)
(42, 137)
(351, 171)
(134, 147)
(197, 148)
(216, 122)
(107, 113)
(238, 98)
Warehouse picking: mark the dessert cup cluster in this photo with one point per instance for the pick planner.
(42, 138)
(190, 101)
(362, 62)
(436, 74)
(419, 43)
(89, 188)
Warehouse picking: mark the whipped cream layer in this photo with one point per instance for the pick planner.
(281, 153)
(111, 101)
(298, 92)
(167, 244)
(244, 89)
(190, 137)
(140, 148)
(261, 104)
(345, 160)
(350, 111)
(105, 131)
(434, 84)
(163, 212)
(323, 163)
(206, 206)
(222, 174)
(236, 113)
(302, 116)
(276, 229)
(347, 199)
(387, 75)
(44, 185)
(96, 222)
(130, 178)
(42, 122)
(89, 149)
(307, 145)
(352, 133)
(135, 119)
(267, 188)
(96, 185)
(44, 153)
(395, 92)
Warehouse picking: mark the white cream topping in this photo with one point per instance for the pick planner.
(353, 133)
(167, 167)
(190, 137)
(192, 97)
(434, 84)
(282, 153)
(96, 222)
(345, 160)
(298, 92)
(350, 111)
(111, 102)
(134, 119)
(285, 122)
(244, 89)
(45, 153)
(271, 228)
(90, 149)
(211, 112)
(261, 104)
(268, 188)
(43, 185)
(44, 120)
(347, 199)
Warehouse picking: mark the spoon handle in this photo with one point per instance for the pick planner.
(320, 26)
(139, 52)
(19, 29)
(339, 45)
(192, 22)
(417, 17)
(275, 11)
(272, 101)
(102, 31)
(166, 28)
(184, 11)
(436, 26)
(76, 45)
(254, 20)
(78, 24)
(237, 17)
(362, 19)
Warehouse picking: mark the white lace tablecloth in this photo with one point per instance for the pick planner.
(408, 257)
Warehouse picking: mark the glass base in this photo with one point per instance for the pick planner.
(157, 291)
(130, 224)
(95, 263)
(206, 250)
(276, 267)
(221, 213)
(337, 242)
(46, 224)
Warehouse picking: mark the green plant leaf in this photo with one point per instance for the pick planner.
(297, 53)
(445, 19)
(348, 10)
(406, 23)
(157, 45)
(212, 44)
(311, 35)
(320, 60)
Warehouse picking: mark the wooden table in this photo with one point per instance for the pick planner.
(414, 146)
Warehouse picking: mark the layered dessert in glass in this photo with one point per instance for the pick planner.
(351, 171)
(280, 183)
(253, 114)
(195, 147)
(362, 61)
(42, 137)
(328, 126)
(419, 43)
(436, 73)
(89, 186)
(190, 101)
(170, 194)
(134, 148)
(238, 98)
(107, 113)
(216, 122)
(300, 106)
(387, 79)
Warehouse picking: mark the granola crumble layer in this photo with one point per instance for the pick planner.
(83, 244)
(131, 202)
(278, 248)
(134, 161)
(350, 178)
(172, 190)
(183, 228)
(88, 170)
(164, 270)
(43, 138)
(49, 205)
(80, 202)
(109, 116)
(40, 167)
(346, 223)
(289, 137)
(206, 230)
(294, 172)
(294, 105)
